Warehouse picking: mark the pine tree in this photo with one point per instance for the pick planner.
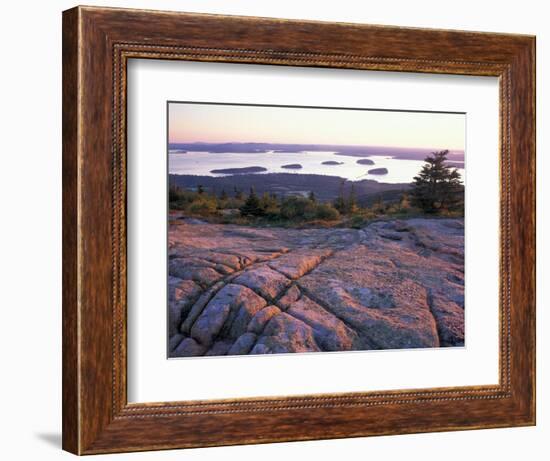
(352, 200)
(252, 206)
(223, 195)
(200, 189)
(379, 205)
(311, 196)
(340, 202)
(174, 193)
(437, 187)
(404, 201)
(266, 201)
(238, 194)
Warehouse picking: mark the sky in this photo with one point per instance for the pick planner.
(191, 122)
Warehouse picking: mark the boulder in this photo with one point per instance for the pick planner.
(198, 262)
(290, 297)
(226, 304)
(243, 345)
(284, 333)
(260, 349)
(330, 333)
(204, 275)
(174, 341)
(188, 347)
(181, 295)
(386, 310)
(449, 316)
(242, 312)
(264, 280)
(294, 265)
(219, 348)
(228, 260)
(258, 322)
(198, 307)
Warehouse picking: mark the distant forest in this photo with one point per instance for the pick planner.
(325, 188)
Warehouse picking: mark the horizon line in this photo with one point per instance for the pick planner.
(311, 144)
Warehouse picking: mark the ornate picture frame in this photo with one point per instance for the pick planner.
(97, 44)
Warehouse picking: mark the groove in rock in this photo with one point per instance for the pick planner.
(199, 306)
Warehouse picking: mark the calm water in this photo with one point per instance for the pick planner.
(201, 163)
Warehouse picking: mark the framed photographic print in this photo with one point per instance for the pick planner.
(280, 230)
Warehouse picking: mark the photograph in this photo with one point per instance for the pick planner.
(295, 229)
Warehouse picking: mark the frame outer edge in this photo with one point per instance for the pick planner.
(70, 234)
(533, 181)
(523, 233)
(534, 213)
(90, 422)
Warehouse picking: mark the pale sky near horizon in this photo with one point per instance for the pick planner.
(189, 122)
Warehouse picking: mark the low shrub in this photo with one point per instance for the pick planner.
(357, 221)
(298, 208)
(326, 212)
(203, 206)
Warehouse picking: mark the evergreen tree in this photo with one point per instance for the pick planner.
(223, 195)
(340, 202)
(269, 204)
(252, 206)
(379, 205)
(352, 200)
(311, 196)
(200, 189)
(174, 193)
(238, 194)
(404, 201)
(437, 187)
